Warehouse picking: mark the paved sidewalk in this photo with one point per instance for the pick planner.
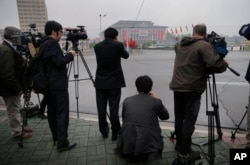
(91, 148)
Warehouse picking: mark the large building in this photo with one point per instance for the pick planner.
(140, 31)
(32, 12)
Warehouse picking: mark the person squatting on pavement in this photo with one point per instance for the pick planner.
(55, 64)
(140, 136)
(12, 83)
(109, 80)
(195, 58)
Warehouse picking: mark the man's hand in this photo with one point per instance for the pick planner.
(151, 93)
(72, 52)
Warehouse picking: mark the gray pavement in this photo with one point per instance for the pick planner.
(233, 91)
(91, 148)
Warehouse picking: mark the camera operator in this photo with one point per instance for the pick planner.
(57, 93)
(195, 58)
(12, 81)
(245, 32)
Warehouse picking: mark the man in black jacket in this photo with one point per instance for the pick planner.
(57, 94)
(11, 80)
(109, 80)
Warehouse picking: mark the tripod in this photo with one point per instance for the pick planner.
(75, 64)
(235, 131)
(28, 107)
(213, 117)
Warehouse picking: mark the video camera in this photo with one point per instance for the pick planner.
(245, 31)
(23, 40)
(75, 34)
(218, 43)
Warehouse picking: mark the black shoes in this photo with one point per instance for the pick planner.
(42, 116)
(68, 147)
(114, 137)
(105, 135)
(194, 155)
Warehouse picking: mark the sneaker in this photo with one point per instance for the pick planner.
(27, 129)
(114, 136)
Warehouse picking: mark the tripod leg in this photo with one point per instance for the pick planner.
(215, 105)
(76, 76)
(233, 133)
(86, 66)
(211, 148)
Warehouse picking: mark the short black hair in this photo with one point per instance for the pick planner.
(52, 25)
(110, 33)
(144, 84)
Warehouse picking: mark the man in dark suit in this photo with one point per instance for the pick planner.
(55, 65)
(109, 80)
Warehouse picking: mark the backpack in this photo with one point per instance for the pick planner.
(36, 76)
(37, 71)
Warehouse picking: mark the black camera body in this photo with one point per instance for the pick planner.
(32, 36)
(23, 40)
(75, 34)
(218, 43)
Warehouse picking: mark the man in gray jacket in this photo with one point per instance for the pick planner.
(12, 82)
(195, 57)
(140, 136)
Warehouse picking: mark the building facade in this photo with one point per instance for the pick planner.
(140, 31)
(32, 12)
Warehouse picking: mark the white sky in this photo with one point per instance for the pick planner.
(222, 16)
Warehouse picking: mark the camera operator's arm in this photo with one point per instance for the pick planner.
(55, 52)
(247, 76)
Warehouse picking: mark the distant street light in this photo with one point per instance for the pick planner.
(101, 17)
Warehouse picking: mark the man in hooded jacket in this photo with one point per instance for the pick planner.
(195, 58)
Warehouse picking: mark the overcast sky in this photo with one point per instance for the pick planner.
(222, 16)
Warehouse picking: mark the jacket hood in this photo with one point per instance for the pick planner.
(188, 40)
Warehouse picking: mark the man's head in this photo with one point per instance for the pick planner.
(53, 29)
(144, 84)
(200, 31)
(12, 34)
(111, 33)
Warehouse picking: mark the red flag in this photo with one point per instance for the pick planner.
(180, 29)
(187, 28)
(176, 31)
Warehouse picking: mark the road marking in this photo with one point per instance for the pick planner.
(233, 83)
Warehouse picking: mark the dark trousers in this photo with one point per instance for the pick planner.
(58, 116)
(103, 98)
(186, 109)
